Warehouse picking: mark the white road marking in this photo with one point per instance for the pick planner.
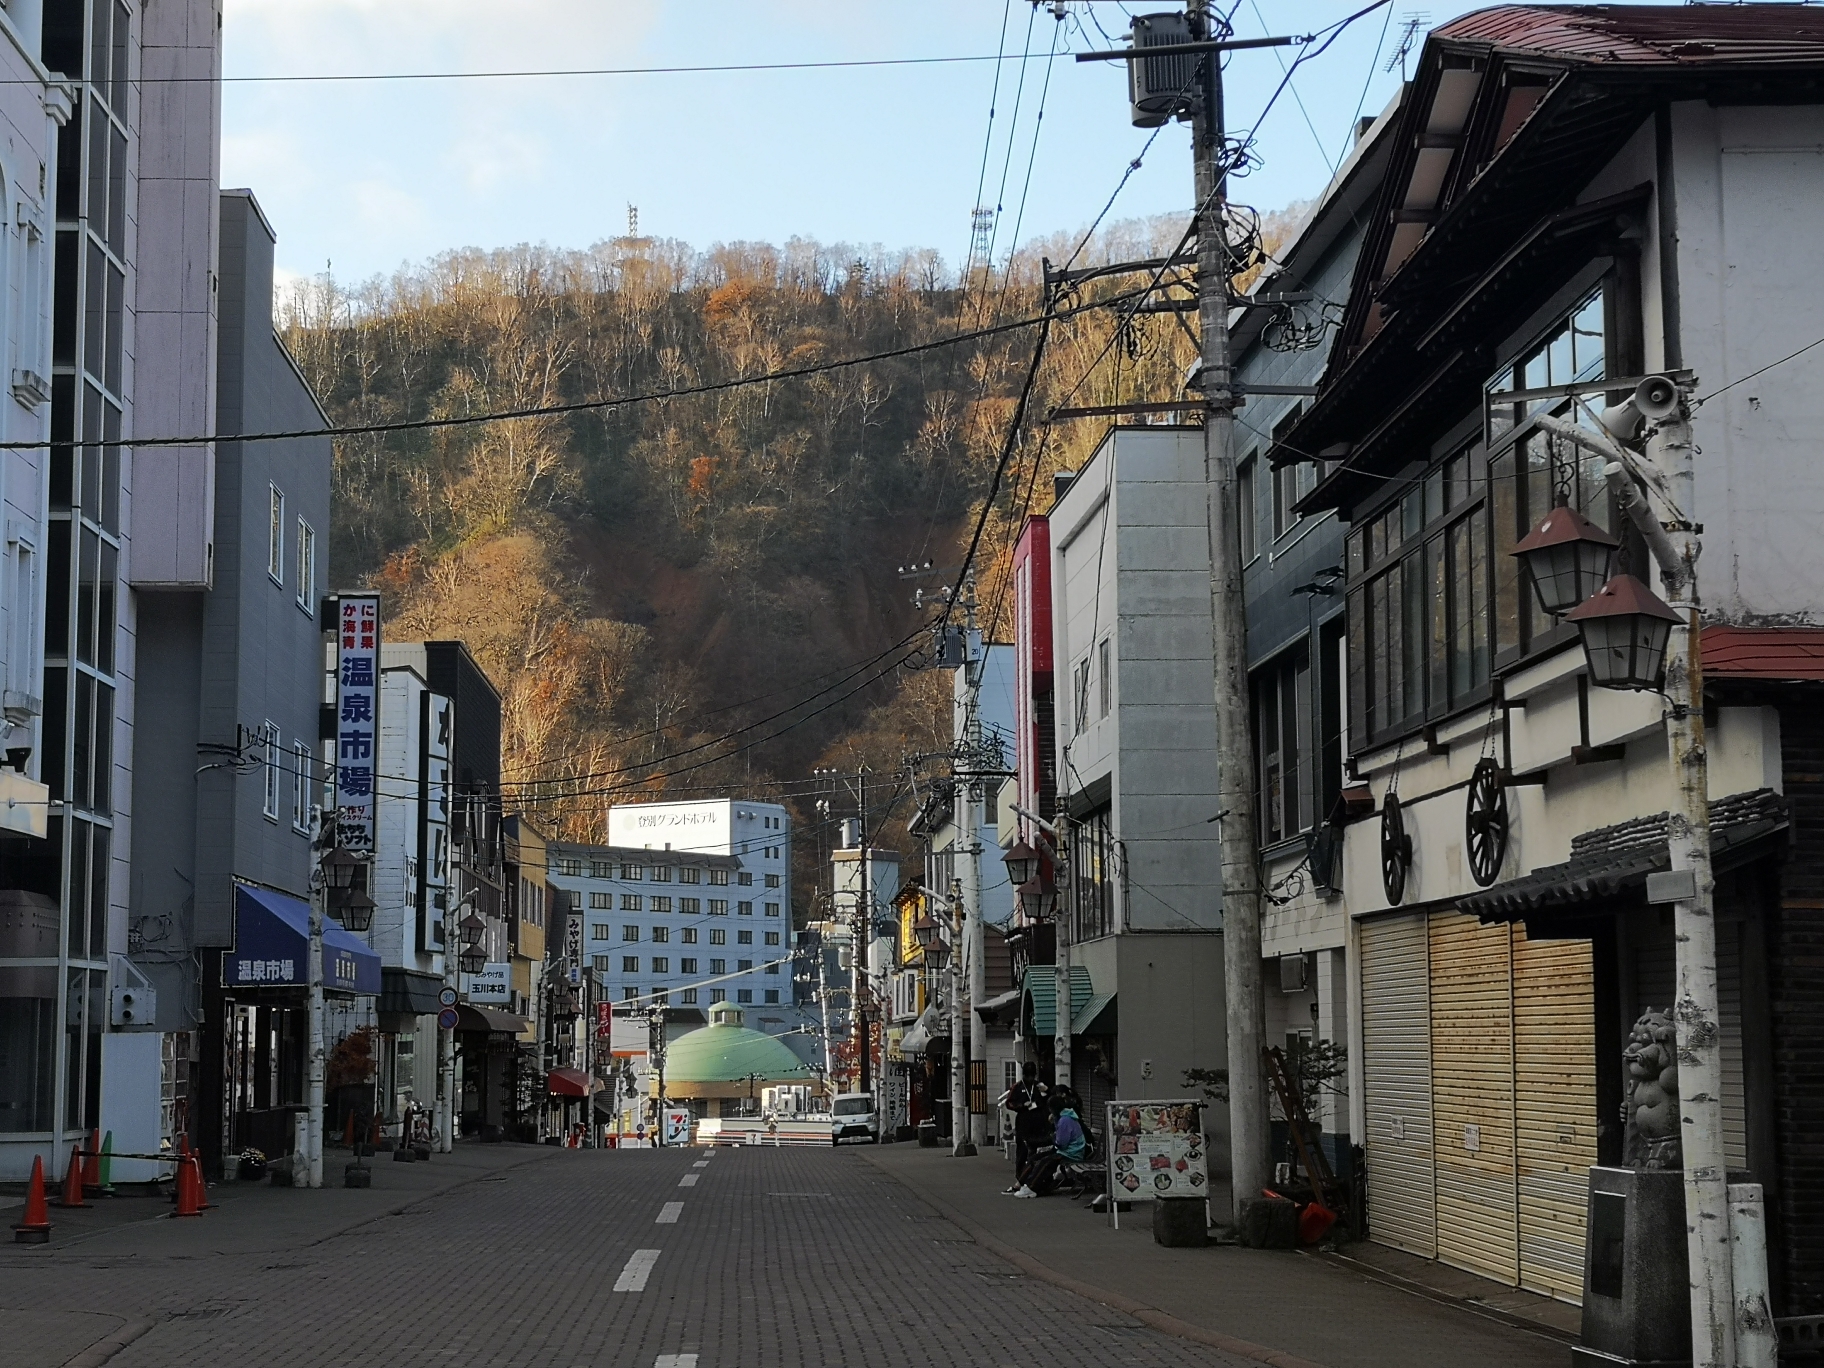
(689, 1180)
(668, 1215)
(639, 1268)
(675, 1361)
(701, 1163)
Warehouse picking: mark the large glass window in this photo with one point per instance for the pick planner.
(1437, 604)
(1092, 854)
(1282, 737)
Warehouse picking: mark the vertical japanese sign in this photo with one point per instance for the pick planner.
(357, 720)
(436, 724)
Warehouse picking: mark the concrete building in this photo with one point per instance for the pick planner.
(1135, 754)
(760, 834)
(1544, 224)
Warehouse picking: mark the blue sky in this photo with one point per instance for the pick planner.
(373, 175)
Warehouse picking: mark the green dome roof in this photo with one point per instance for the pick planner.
(725, 1051)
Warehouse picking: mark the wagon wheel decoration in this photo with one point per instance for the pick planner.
(1396, 848)
(1485, 824)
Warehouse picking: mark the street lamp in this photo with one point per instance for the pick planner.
(473, 958)
(1038, 895)
(348, 900)
(1023, 863)
(1567, 557)
(924, 931)
(1625, 627)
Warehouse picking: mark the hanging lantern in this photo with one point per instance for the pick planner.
(1037, 897)
(471, 927)
(1022, 863)
(924, 930)
(1625, 627)
(354, 909)
(1567, 556)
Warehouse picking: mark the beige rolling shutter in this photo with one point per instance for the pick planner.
(1729, 1019)
(1472, 1068)
(1555, 1108)
(1396, 1076)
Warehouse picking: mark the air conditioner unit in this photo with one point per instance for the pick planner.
(1293, 975)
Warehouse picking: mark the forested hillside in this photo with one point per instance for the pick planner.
(682, 593)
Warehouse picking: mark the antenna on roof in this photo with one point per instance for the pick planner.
(633, 220)
(1414, 21)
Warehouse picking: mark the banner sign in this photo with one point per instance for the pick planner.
(357, 720)
(436, 722)
(1156, 1149)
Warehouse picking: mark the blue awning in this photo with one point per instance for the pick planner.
(271, 937)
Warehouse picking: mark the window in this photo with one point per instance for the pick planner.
(690, 907)
(1080, 694)
(744, 995)
(688, 935)
(572, 868)
(1105, 675)
(275, 538)
(632, 872)
(690, 874)
(660, 934)
(630, 933)
(600, 869)
(270, 735)
(307, 564)
(718, 966)
(744, 937)
(303, 810)
(743, 966)
(717, 936)
(687, 966)
(746, 909)
(602, 963)
(660, 874)
(1436, 602)
(717, 995)
(661, 904)
(772, 995)
(630, 902)
(745, 878)
(661, 965)
(600, 901)
(772, 938)
(718, 907)
(1092, 853)
(1290, 482)
(719, 877)
(772, 968)
(1282, 739)
(599, 931)
(630, 995)
(660, 997)
(688, 997)
(772, 881)
(1246, 501)
(772, 909)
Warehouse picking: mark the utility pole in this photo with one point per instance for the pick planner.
(972, 944)
(313, 1100)
(962, 1145)
(1249, 1148)
(864, 917)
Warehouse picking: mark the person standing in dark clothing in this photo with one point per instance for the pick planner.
(1029, 1101)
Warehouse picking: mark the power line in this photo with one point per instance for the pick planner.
(582, 405)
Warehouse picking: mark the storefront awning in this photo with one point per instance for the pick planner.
(1612, 863)
(409, 992)
(1040, 997)
(567, 1083)
(1000, 1010)
(918, 1034)
(1097, 1017)
(472, 1018)
(271, 941)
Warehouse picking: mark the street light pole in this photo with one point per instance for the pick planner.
(962, 1145)
(314, 1066)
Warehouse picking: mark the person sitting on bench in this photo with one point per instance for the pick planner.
(1068, 1143)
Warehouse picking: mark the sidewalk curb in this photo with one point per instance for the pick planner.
(109, 1345)
(1431, 1294)
(1140, 1311)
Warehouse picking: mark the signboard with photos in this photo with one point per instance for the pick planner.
(1156, 1149)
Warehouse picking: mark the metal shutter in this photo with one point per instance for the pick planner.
(1472, 1067)
(1555, 1107)
(1396, 1075)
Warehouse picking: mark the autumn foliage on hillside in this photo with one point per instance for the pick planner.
(681, 593)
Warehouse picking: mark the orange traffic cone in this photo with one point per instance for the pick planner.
(36, 1227)
(72, 1181)
(189, 1187)
(348, 1132)
(91, 1163)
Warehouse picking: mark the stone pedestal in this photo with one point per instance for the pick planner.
(1180, 1222)
(1268, 1223)
(1636, 1298)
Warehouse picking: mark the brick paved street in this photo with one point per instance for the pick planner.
(778, 1257)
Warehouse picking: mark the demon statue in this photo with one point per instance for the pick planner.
(1649, 1109)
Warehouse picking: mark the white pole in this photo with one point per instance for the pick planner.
(961, 1146)
(313, 1157)
(973, 946)
(1757, 1342)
